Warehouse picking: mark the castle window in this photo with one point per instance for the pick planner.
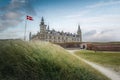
(58, 37)
(50, 37)
(73, 39)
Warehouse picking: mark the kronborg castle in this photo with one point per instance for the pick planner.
(53, 36)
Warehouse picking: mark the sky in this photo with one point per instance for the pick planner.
(99, 19)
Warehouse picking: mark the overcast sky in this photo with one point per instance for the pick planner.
(99, 19)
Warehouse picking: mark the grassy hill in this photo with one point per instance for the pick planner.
(42, 61)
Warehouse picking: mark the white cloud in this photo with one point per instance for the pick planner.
(78, 14)
(104, 36)
(13, 13)
(101, 19)
(89, 8)
(101, 4)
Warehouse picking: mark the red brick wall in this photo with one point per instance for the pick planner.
(104, 47)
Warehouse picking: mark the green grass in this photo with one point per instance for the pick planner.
(42, 61)
(108, 59)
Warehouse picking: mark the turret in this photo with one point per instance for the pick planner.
(48, 28)
(42, 29)
(42, 26)
(42, 21)
(79, 33)
(79, 30)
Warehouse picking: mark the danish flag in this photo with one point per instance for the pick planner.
(29, 18)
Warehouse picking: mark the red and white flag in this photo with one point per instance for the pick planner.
(29, 18)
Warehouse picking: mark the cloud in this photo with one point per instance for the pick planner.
(106, 31)
(90, 33)
(101, 4)
(12, 14)
(77, 15)
(101, 19)
(100, 36)
(89, 8)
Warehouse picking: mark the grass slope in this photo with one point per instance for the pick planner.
(41, 61)
(109, 59)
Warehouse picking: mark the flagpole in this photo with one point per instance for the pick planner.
(27, 18)
(25, 30)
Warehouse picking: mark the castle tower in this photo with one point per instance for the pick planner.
(79, 33)
(42, 29)
(48, 28)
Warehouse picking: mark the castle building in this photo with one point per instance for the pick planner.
(53, 36)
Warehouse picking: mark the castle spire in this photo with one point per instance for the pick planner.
(48, 27)
(79, 30)
(42, 21)
(79, 33)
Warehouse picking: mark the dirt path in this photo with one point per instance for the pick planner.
(109, 73)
